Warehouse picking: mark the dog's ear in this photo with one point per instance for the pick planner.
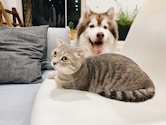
(87, 12)
(111, 12)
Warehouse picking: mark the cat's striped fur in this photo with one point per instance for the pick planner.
(110, 75)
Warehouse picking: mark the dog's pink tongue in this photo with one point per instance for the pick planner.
(97, 49)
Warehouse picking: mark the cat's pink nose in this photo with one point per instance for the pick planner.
(54, 63)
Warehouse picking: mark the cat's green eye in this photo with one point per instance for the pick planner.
(64, 59)
(54, 54)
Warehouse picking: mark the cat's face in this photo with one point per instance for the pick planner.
(66, 59)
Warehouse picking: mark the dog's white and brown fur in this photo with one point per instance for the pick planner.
(97, 33)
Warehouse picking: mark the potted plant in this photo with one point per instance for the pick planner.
(124, 21)
(73, 31)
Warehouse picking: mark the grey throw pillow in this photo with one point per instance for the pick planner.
(21, 53)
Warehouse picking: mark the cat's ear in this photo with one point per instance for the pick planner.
(60, 42)
(80, 52)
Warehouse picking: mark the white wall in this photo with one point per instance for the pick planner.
(8, 4)
(104, 5)
(100, 5)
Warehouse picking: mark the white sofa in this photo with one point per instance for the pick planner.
(146, 44)
(43, 103)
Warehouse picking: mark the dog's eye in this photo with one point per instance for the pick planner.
(105, 27)
(54, 53)
(92, 26)
(64, 59)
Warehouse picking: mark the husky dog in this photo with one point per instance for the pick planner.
(97, 33)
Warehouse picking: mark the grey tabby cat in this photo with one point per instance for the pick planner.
(110, 75)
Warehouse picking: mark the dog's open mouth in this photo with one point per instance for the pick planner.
(97, 46)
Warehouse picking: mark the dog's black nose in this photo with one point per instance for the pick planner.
(100, 35)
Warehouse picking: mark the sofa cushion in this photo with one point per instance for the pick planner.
(52, 36)
(21, 53)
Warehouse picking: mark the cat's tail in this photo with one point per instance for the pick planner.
(138, 95)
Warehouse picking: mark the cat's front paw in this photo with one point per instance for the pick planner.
(51, 75)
